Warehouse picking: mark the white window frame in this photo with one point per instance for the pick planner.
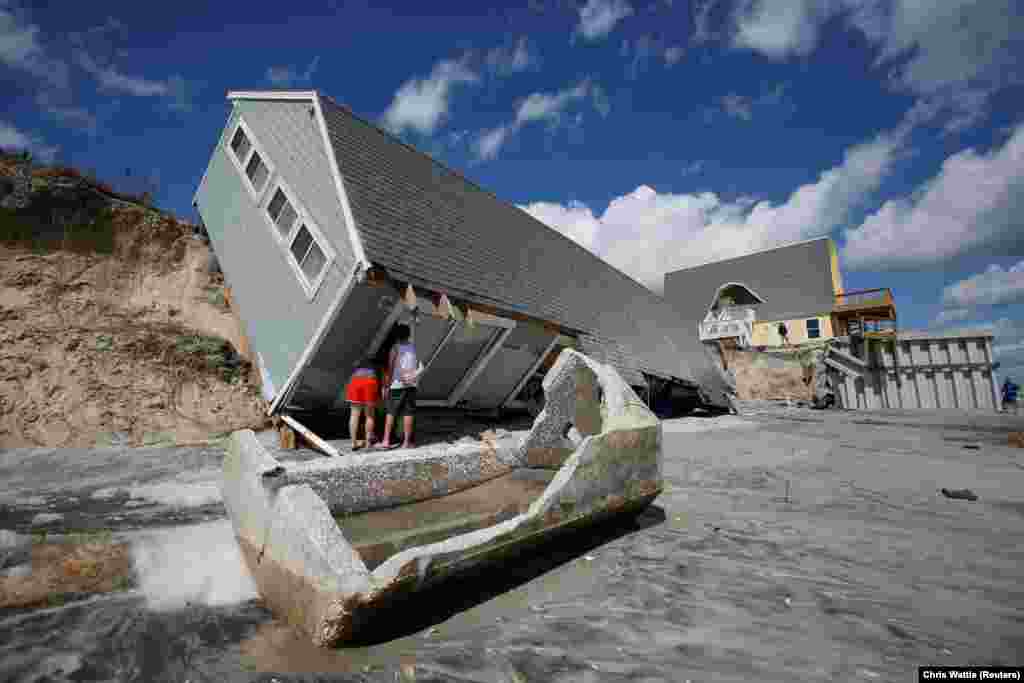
(807, 325)
(302, 217)
(254, 146)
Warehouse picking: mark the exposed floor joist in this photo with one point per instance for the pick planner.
(467, 381)
(533, 369)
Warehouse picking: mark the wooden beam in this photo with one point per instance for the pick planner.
(312, 438)
(555, 341)
(409, 297)
(467, 381)
(478, 317)
(446, 309)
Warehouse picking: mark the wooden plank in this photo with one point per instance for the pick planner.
(312, 438)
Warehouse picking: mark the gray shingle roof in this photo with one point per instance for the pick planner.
(427, 224)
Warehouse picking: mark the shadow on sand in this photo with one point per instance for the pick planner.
(421, 610)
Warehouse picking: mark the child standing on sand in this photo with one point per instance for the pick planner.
(402, 378)
(363, 395)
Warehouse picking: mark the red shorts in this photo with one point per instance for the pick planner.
(363, 391)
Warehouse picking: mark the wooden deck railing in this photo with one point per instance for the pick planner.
(864, 298)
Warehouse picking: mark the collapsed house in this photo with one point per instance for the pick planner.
(329, 231)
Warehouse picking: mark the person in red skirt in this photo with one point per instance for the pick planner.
(363, 395)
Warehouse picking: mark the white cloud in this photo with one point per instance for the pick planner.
(737, 106)
(993, 287)
(538, 106)
(599, 17)
(535, 107)
(289, 76)
(974, 204)
(13, 139)
(702, 32)
(575, 220)
(673, 55)
(22, 50)
(690, 229)
(952, 315)
(488, 144)
(935, 44)
(743, 107)
(512, 59)
(57, 105)
(421, 104)
(110, 79)
(778, 28)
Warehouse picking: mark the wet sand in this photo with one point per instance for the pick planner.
(863, 573)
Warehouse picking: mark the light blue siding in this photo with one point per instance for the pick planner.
(278, 316)
(292, 139)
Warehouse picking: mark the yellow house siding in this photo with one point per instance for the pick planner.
(766, 333)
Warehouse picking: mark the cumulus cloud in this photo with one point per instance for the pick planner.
(778, 28)
(599, 17)
(973, 205)
(935, 45)
(13, 139)
(289, 76)
(574, 220)
(513, 58)
(993, 287)
(691, 229)
(421, 104)
(535, 107)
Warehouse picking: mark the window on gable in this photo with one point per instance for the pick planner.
(308, 254)
(257, 171)
(240, 144)
(282, 213)
(813, 328)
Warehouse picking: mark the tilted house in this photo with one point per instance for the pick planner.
(324, 224)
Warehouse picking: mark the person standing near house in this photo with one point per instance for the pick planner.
(1010, 399)
(784, 333)
(363, 395)
(400, 381)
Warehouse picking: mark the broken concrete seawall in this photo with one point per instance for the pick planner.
(601, 443)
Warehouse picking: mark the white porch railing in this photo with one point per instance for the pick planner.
(731, 321)
(744, 329)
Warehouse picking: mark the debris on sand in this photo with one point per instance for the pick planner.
(960, 494)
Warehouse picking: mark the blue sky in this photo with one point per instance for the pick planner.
(658, 134)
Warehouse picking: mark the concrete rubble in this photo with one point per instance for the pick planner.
(599, 443)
